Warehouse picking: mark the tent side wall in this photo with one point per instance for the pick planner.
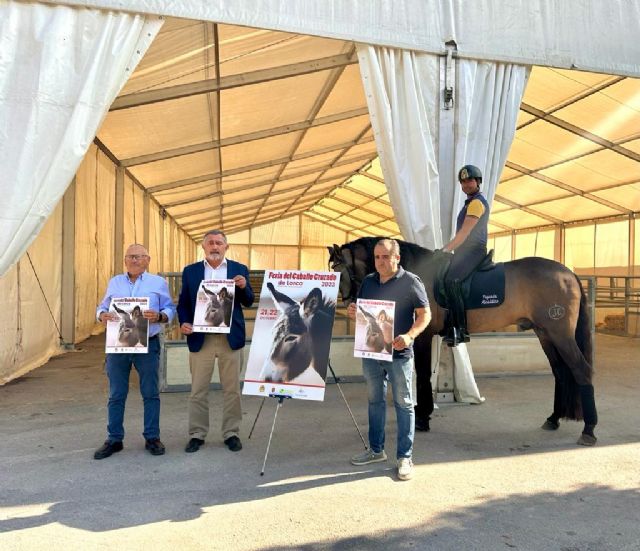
(30, 333)
(169, 246)
(294, 243)
(94, 237)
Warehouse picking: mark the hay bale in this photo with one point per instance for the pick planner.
(614, 322)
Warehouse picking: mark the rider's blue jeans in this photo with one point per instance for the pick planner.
(399, 373)
(118, 369)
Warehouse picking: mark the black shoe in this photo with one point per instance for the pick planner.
(422, 424)
(154, 446)
(107, 449)
(233, 443)
(194, 445)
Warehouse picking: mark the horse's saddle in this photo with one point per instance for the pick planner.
(482, 288)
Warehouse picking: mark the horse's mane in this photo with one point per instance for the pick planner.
(410, 253)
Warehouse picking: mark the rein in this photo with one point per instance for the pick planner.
(352, 278)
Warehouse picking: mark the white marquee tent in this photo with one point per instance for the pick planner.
(239, 114)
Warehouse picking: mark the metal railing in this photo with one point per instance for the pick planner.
(620, 295)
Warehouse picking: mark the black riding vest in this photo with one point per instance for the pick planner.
(478, 237)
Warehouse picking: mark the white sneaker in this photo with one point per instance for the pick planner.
(368, 456)
(405, 468)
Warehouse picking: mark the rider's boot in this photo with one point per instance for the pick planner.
(461, 315)
(457, 326)
(451, 334)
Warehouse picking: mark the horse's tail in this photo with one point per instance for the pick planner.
(583, 328)
(568, 402)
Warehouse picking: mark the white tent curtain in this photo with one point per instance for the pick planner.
(60, 69)
(403, 92)
(403, 95)
(488, 100)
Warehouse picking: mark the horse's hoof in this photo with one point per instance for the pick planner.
(550, 425)
(586, 440)
(422, 425)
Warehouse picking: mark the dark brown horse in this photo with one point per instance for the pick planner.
(540, 294)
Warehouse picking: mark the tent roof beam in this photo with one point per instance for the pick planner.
(243, 138)
(233, 81)
(265, 164)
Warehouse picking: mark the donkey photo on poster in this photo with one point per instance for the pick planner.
(292, 335)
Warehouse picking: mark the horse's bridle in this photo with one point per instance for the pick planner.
(353, 295)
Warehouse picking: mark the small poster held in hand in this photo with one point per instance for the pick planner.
(130, 333)
(374, 329)
(214, 306)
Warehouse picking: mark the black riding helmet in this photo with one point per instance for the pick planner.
(470, 171)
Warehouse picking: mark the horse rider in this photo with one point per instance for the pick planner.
(469, 246)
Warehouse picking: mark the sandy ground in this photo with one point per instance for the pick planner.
(486, 476)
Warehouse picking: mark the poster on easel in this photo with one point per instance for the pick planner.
(289, 351)
(130, 333)
(214, 306)
(374, 329)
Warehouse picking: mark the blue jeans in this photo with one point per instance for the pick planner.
(118, 369)
(399, 372)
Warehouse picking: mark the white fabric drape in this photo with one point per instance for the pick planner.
(60, 69)
(488, 99)
(403, 94)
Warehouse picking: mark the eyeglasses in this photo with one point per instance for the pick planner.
(136, 257)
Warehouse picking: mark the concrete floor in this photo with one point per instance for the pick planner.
(486, 476)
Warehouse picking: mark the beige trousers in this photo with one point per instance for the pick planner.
(201, 364)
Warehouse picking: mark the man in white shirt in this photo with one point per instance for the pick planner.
(205, 347)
